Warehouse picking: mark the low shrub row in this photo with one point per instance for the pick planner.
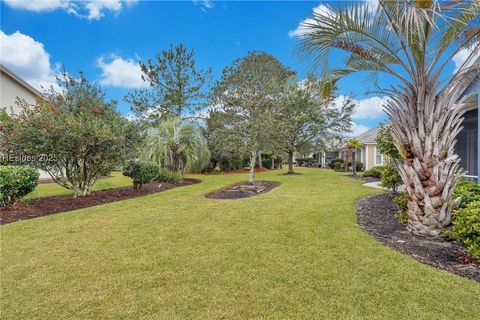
(15, 183)
(143, 172)
(374, 172)
(465, 228)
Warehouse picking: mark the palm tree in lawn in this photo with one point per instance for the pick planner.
(176, 145)
(354, 144)
(413, 42)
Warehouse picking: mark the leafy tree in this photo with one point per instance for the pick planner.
(73, 134)
(390, 178)
(247, 95)
(177, 86)
(176, 145)
(223, 148)
(353, 145)
(413, 42)
(305, 116)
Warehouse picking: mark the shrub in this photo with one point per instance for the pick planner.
(335, 160)
(16, 182)
(374, 172)
(72, 130)
(401, 200)
(466, 228)
(141, 172)
(390, 178)
(338, 166)
(359, 166)
(165, 175)
(468, 191)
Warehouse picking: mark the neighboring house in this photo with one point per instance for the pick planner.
(13, 87)
(369, 154)
(468, 140)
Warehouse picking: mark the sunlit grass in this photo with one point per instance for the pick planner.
(53, 189)
(293, 253)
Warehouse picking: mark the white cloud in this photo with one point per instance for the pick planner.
(368, 108)
(358, 129)
(204, 4)
(303, 28)
(462, 56)
(119, 72)
(91, 10)
(27, 57)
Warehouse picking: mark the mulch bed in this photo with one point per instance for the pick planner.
(377, 216)
(359, 177)
(227, 193)
(50, 205)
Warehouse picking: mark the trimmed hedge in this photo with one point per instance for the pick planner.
(335, 160)
(374, 172)
(15, 183)
(468, 191)
(466, 228)
(141, 172)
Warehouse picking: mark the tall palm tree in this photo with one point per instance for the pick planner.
(354, 144)
(412, 41)
(176, 145)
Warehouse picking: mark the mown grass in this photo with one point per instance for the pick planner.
(293, 253)
(117, 179)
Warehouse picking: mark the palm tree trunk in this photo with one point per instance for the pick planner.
(354, 165)
(425, 128)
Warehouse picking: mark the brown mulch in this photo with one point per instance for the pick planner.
(360, 177)
(292, 174)
(224, 193)
(50, 205)
(377, 216)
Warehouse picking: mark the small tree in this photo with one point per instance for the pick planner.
(73, 134)
(353, 145)
(390, 177)
(306, 115)
(247, 95)
(176, 145)
(177, 86)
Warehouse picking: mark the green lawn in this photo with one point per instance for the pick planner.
(53, 189)
(294, 253)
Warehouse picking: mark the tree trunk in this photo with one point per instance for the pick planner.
(251, 176)
(424, 129)
(260, 165)
(273, 162)
(354, 165)
(290, 162)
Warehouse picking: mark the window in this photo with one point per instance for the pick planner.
(358, 155)
(378, 157)
(467, 143)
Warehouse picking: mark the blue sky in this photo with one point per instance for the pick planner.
(106, 39)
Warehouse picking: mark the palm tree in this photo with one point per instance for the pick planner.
(354, 144)
(413, 41)
(176, 145)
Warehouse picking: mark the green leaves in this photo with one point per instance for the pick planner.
(83, 133)
(176, 145)
(16, 182)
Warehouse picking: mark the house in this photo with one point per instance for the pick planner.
(12, 86)
(368, 154)
(468, 140)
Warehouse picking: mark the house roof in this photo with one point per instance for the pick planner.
(12, 75)
(368, 137)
